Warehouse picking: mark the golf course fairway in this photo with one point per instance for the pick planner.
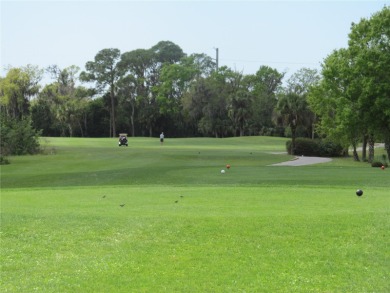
(89, 216)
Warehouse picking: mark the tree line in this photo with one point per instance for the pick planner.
(146, 91)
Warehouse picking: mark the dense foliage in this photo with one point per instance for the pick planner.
(353, 96)
(146, 91)
(18, 137)
(315, 147)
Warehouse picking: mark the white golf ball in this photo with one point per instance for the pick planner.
(222, 171)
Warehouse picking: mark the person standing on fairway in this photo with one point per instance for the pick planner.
(162, 138)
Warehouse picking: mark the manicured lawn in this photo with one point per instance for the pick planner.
(184, 226)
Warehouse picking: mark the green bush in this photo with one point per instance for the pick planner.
(288, 146)
(303, 146)
(379, 164)
(329, 148)
(315, 147)
(18, 137)
(3, 160)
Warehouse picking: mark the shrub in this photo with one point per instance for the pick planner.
(288, 147)
(379, 164)
(18, 137)
(329, 148)
(3, 160)
(315, 147)
(303, 146)
(306, 147)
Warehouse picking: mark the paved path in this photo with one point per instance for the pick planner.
(303, 161)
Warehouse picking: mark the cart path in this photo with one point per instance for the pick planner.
(304, 161)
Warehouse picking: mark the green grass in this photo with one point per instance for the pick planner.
(187, 228)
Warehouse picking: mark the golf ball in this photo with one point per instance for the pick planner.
(222, 171)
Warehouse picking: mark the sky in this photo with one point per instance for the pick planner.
(285, 35)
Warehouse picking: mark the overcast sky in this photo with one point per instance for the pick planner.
(286, 35)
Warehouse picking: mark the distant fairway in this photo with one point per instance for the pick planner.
(184, 226)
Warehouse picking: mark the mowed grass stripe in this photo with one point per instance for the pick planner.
(94, 162)
(184, 226)
(212, 238)
(203, 173)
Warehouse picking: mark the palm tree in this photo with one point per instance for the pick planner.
(293, 111)
(240, 110)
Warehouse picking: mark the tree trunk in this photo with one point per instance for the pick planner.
(241, 131)
(70, 130)
(132, 121)
(110, 128)
(387, 146)
(293, 131)
(81, 128)
(345, 152)
(85, 125)
(312, 131)
(113, 111)
(364, 148)
(355, 153)
(313, 127)
(371, 143)
(132, 126)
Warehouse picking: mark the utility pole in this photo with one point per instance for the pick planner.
(216, 58)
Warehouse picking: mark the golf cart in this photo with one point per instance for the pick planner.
(123, 139)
